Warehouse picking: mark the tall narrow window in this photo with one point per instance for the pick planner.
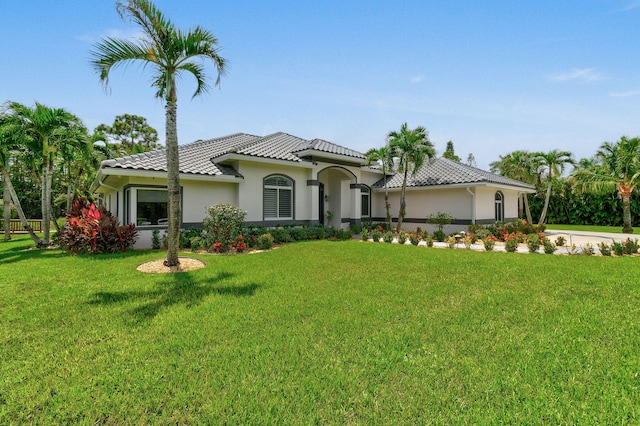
(499, 203)
(365, 197)
(278, 197)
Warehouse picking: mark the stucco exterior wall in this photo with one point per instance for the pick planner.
(251, 189)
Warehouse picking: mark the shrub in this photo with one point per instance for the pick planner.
(440, 219)
(239, 244)
(376, 234)
(414, 238)
(402, 237)
(92, 229)
(561, 241)
(489, 242)
(265, 241)
(155, 239)
(587, 250)
(605, 249)
(429, 241)
(533, 242)
(511, 245)
(548, 246)
(388, 237)
(364, 235)
(630, 246)
(439, 235)
(198, 243)
(618, 248)
(223, 222)
(467, 240)
(451, 241)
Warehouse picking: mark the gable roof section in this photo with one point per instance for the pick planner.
(442, 172)
(321, 146)
(277, 146)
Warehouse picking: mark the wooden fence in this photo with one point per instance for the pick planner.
(17, 228)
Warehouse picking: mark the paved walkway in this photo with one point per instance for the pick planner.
(580, 238)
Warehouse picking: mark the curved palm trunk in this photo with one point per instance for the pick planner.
(526, 208)
(6, 209)
(173, 185)
(543, 216)
(18, 206)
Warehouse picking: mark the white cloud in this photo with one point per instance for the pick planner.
(585, 74)
(417, 78)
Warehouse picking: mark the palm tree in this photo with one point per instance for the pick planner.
(518, 165)
(616, 168)
(170, 52)
(554, 163)
(44, 130)
(384, 157)
(411, 147)
(9, 140)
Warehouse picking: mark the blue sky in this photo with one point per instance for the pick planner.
(491, 76)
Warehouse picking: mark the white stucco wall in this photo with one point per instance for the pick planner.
(250, 190)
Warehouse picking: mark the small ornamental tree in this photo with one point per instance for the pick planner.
(92, 229)
(223, 223)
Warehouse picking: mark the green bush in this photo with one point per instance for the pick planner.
(489, 242)
(155, 239)
(364, 235)
(439, 235)
(548, 246)
(402, 237)
(561, 241)
(265, 241)
(605, 249)
(588, 250)
(618, 248)
(376, 235)
(223, 222)
(533, 242)
(388, 237)
(511, 245)
(630, 246)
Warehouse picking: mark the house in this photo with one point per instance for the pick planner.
(280, 179)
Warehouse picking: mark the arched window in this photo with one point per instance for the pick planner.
(365, 196)
(499, 206)
(277, 197)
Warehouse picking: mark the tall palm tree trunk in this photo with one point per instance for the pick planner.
(543, 216)
(626, 213)
(18, 206)
(6, 209)
(403, 208)
(386, 202)
(173, 185)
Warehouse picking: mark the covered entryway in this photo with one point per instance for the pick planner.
(339, 203)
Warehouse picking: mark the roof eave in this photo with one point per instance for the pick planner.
(462, 185)
(330, 156)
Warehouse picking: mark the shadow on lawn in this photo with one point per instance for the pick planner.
(180, 288)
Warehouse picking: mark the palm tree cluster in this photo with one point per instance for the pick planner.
(409, 148)
(614, 169)
(51, 150)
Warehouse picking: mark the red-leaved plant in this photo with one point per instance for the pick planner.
(92, 229)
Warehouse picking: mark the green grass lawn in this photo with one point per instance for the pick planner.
(591, 228)
(320, 333)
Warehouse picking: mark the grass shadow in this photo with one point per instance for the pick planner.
(181, 288)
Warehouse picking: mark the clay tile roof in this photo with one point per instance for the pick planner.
(442, 171)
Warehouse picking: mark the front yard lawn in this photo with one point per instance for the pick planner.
(320, 333)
